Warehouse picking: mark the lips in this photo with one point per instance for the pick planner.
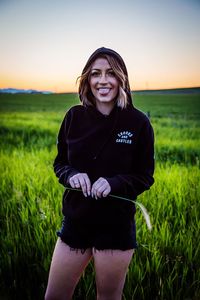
(104, 91)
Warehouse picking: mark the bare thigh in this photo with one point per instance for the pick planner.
(66, 268)
(111, 268)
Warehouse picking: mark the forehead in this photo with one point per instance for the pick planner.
(101, 63)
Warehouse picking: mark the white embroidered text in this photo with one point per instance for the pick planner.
(124, 137)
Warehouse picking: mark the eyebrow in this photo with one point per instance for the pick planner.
(100, 69)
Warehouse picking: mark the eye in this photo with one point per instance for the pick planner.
(95, 74)
(111, 73)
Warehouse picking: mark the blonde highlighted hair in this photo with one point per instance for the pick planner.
(85, 92)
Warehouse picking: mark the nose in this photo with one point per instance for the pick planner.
(103, 79)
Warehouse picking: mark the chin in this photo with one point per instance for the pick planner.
(105, 100)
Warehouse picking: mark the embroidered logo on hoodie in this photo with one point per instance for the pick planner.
(124, 137)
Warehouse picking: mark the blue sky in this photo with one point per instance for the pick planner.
(45, 43)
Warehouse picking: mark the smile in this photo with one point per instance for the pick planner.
(104, 91)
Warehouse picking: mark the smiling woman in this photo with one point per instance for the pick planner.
(104, 85)
(105, 149)
(105, 72)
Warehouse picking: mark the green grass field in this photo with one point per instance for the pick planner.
(166, 265)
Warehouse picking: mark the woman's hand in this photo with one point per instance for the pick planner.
(100, 188)
(81, 180)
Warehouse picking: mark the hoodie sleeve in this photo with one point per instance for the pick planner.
(141, 178)
(61, 165)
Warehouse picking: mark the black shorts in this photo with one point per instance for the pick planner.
(104, 236)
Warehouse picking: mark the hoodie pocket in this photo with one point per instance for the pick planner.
(77, 207)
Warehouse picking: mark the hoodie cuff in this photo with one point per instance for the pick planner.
(68, 175)
(114, 184)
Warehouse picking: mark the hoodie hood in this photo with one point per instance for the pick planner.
(106, 51)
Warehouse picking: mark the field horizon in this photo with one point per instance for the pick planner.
(178, 90)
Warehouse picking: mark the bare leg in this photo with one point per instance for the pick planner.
(111, 267)
(66, 268)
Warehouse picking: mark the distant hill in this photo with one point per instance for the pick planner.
(195, 90)
(22, 91)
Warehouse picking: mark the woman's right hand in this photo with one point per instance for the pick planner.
(81, 180)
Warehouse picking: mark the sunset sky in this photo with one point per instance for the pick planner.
(45, 43)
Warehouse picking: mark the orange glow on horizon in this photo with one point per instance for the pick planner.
(62, 86)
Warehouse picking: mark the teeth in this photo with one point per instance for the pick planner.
(104, 90)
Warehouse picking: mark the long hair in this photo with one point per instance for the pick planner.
(119, 69)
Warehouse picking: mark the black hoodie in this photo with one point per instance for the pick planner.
(118, 147)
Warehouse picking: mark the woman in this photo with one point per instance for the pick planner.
(105, 148)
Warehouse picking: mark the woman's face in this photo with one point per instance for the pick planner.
(103, 82)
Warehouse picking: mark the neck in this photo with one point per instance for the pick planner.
(105, 108)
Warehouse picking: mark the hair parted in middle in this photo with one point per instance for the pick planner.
(118, 67)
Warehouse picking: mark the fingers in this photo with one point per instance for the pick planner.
(85, 184)
(100, 188)
(81, 180)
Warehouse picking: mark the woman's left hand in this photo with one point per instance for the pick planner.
(100, 188)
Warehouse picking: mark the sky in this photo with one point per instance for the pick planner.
(46, 43)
